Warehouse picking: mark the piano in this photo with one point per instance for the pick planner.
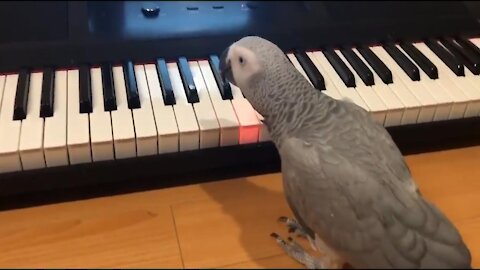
(100, 98)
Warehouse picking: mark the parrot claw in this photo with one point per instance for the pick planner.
(298, 253)
(293, 226)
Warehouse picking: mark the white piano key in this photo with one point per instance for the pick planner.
(124, 141)
(31, 132)
(55, 134)
(186, 120)
(458, 86)
(428, 103)
(227, 119)
(250, 124)
(330, 88)
(376, 105)
(297, 65)
(100, 121)
(394, 105)
(347, 94)
(78, 131)
(418, 111)
(330, 91)
(207, 120)
(166, 123)
(143, 119)
(443, 100)
(9, 129)
(264, 134)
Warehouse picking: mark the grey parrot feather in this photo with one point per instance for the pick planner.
(344, 178)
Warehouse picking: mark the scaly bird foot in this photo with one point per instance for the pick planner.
(293, 226)
(297, 252)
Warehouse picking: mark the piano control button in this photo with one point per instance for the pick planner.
(31, 132)
(21, 96)
(166, 124)
(165, 82)
(378, 109)
(122, 121)
(468, 59)
(378, 66)
(206, 117)
(330, 88)
(345, 74)
(186, 120)
(427, 102)
(187, 80)
(410, 69)
(46, 107)
(100, 121)
(143, 120)
(423, 62)
(85, 94)
(362, 70)
(9, 128)
(78, 131)
(151, 12)
(55, 133)
(227, 119)
(313, 74)
(345, 93)
(443, 100)
(395, 107)
(224, 87)
(108, 89)
(449, 81)
(466, 83)
(412, 104)
(130, 86)
(449, 59)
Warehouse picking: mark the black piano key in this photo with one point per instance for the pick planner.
(133, 99)
(223, 86)
(345, 74)
(468, 59)
(311, 70)
(378, 66)
(359, 66)
(165, 82)
(21, 95)
(109, 99)
(469, 46)
(85, 90)
(187, 79)
(449, 59)
(422, 61)
(402, 60)
(46, 103)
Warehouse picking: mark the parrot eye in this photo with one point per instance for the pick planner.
(240, 59)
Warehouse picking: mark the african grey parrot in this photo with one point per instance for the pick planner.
(349, 188)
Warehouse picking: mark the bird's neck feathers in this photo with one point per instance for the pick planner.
(290, 105)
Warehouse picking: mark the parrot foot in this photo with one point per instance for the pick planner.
(298, 253)
(293, 226)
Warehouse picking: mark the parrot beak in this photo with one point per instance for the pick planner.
(225, 67)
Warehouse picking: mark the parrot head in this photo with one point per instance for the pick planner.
(240, 62)
(254, 65)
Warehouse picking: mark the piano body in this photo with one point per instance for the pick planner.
(108, 97)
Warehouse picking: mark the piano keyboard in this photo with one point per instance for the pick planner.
(59, 117)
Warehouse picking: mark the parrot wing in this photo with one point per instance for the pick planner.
(364, 213)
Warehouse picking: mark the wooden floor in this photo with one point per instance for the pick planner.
(217, 225)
